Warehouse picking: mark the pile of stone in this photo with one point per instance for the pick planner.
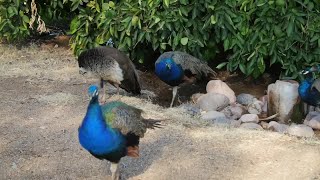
(222, 107)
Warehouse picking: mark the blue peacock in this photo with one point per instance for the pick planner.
(175, 68)
(309, 89)
(113, 130)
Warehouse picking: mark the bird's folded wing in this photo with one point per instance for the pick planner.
(195, 65)
(126, 119)
(316, 84)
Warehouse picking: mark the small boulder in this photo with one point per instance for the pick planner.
(222, 121)
(195, 97)
(313, 120)
(277, 127)
(255, 107)
(264, 100)
(218, 86)
(245, 99)
(190, 109)
(311, 115)
(211, 115)
(213, 102)
(249, 118)
(235, 123)
(264, 124)
(252, 126)
(234, 111)
(300, 130)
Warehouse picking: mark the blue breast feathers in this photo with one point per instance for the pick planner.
(95, 135)
(308, 94)
(169, 72)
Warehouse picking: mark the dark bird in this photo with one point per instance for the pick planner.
(110, 65)
(309, 89)
(113, 130)
(175, 68)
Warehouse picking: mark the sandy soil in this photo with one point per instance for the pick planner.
(43, 101)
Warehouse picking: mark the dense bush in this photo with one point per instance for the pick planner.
(255, 34)
(15, 16)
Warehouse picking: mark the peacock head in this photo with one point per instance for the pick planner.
(168, 63)
(93, 91)
(314, 68)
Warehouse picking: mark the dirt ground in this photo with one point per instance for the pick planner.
(43, 101)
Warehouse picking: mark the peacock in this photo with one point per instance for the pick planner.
(309, 89)
(175, 68)
(112, 131)
(110, 65)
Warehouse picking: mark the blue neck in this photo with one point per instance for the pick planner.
(169, 72)
(96, 135)
(94, 121)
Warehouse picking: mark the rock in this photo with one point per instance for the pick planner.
(213, 102)
(277, 127)
(211, 115)
(252, 126)
(218, 86)
(300, 130)
(245, 99)
(282, 98)
(190, 109)
(264, 124)
(311, 115)
(264, 100)
(255, 107)
(225, 122)
(235, 123)
(195, 97)
(249, 118)
(222, 120)
(234, 111)
(313, 120)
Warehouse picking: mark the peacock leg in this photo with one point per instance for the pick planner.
(118, 90)
(115, 171)
(174, 93)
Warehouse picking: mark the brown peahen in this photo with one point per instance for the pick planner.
(110, 65)
(175, 68)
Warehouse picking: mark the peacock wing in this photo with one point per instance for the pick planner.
(131, 81)
(193, 64)
(316, 84)
(125, 118)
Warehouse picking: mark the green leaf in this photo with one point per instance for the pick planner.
(25, 19)
(134, 20)
(75, 23)
(221, 65)
(226, 44)
(242, 68)
(166, 2)
(213, 19)
(290, 28)
(184, 41)
(261, 65)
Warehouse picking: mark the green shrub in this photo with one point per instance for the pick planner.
(14, 19)
(15, 16)
(255, 34)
